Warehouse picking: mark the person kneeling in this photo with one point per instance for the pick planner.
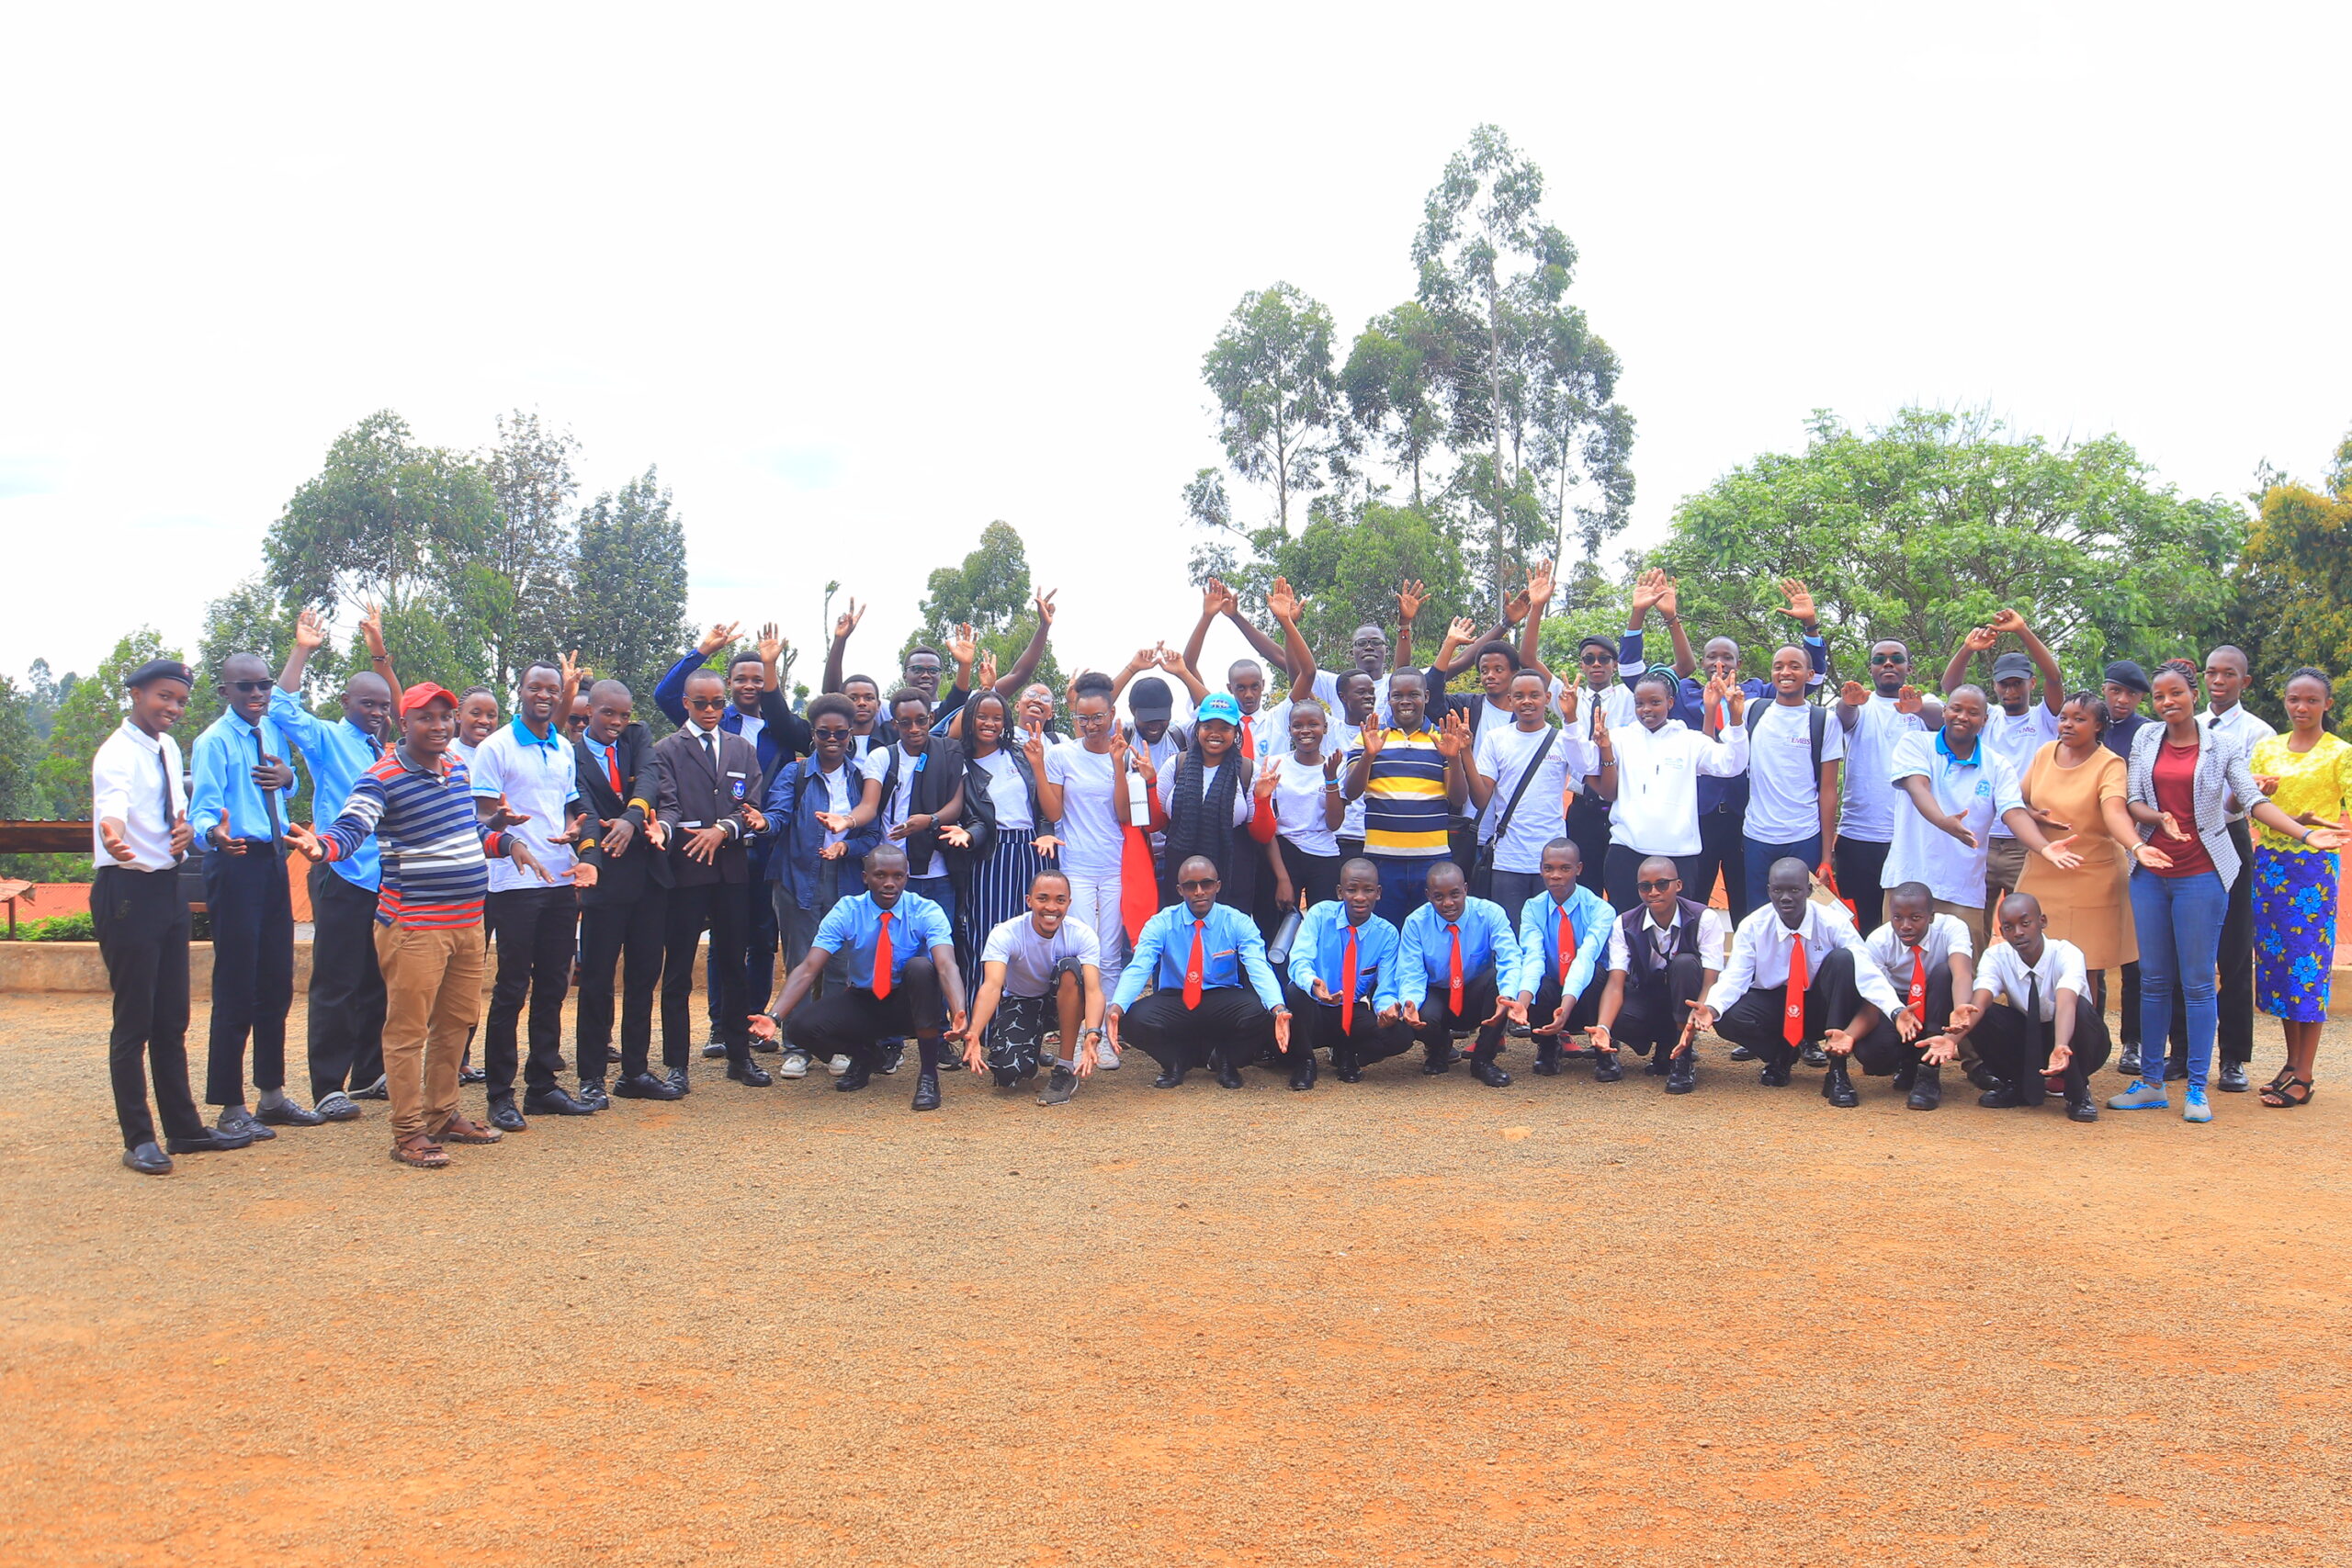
(1343, 982)
(902, 981)
(1663, 956)
(1456, 955)
(2034, 1015)
(1217, 1001)
(1798, 976)
(1928, 959)
(1563, 932)
(1039, 972)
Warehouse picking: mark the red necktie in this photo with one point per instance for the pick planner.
(1567, 946)
(1248, 739)
(882, 960)
(1194, 964)
(1348, 984)
(613, 766)
(1792, 1014)
(1454, 973)
(1918, 987)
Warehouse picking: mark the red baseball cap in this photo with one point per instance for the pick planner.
(424, 692)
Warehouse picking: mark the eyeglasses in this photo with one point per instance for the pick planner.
(1090, 721)
(1890, 658)
(703, 705)
(1208, 886)
(1666, 885)
(250, 686)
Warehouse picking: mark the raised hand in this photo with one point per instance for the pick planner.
(572, 670)
(718, 636)
(1909, 700)
(1370, 739)
(2009, 621)
(987, 669)
(1169, 658)
(1980, 639)
(1853, 694)
(1281, 602)
(309, 632)
(298, 838)
(1046, 605)
(1600, 726)
(846, 622)
(1212, 597)
(1453, 736)
(1540, 583)
(1515, 608)
(1566, 703)
(371, 627)
(1270, 773)
(1460, 630)
(771, 643)
(1033, 746)
(1669, 600)
(1799, 604)
(1648, 588)
(1412, 594)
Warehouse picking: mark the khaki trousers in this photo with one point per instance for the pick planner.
(431, 1002)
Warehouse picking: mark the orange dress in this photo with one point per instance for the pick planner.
(2088, 905)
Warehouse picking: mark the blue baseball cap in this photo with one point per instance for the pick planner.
(1218, 705)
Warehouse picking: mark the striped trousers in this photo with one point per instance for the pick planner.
(1000, 890)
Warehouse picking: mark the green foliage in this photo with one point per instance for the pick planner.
(1346, 574)
(95, 710)
(2294, 604)
(44, 695)
(1394, 382)
(1276, 392)
(385, 521)
(59, 928)
(628, 588)
(521, 594)
(1925, 527)
(992, 591)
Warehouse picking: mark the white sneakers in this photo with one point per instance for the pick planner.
(1105, 1059)
(838, 1065)
(795, 1065)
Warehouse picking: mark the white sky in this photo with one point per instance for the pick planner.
(861, 286)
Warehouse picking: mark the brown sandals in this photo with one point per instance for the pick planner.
(419, 1151)
(462, 1131)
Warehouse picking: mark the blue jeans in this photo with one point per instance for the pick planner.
(2180, 920)
(1404, 885)
(1756, 860)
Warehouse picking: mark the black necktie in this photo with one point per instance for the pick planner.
(2033, 1021)
(710, 750)
(268, 797)
(164, 766)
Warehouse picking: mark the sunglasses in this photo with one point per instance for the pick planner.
(1890, 658)
(1666, 885)
(701, 705)
(250, 686)
(1596, 656)
(832, 732)
(1208, 886)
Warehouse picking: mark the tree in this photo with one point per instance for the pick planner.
(1346, 570)
(1922, 528)
(97, 710)
(1529, 386)
(522, 586)
(1276, 392)
(1394, 382)
(44, 694)
(992, 591)
(629, 587)
(2294, 602)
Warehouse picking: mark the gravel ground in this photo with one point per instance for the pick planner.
(1405, 1321)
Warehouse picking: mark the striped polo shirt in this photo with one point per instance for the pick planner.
(1405, 809)
(434, 842)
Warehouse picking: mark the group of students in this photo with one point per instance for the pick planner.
(1307, 864)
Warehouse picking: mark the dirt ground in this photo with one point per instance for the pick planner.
(1405, 1321)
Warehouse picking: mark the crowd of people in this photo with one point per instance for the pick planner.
(1309, 869)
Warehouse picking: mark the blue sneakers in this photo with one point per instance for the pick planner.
(2193, 1106)
(2142, 1096)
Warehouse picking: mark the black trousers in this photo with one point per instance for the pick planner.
(1859, 864)
(1831, 1000)
(1723, 848)
(761, 938)
(1313, 879)
(853, 1022)
(1653, 1012)
(536, 928)
(2018, 1049)
(631, 935)
(1367, 1040)
(1230, 1018)
(1623, 874)
(1588, 826)
(1439, 1018)
(2131, 1005)
(2234, 1038)
(252, 912)
(141, 920)
(1583, 1011)
(346, 987)
(1882, 1050)
(723, 909)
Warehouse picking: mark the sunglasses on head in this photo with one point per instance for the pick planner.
(1665, 885)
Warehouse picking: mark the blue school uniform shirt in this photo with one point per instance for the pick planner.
(1232, 954)
(853, 927)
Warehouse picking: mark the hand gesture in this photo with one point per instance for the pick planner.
(572, 670)
(1958, 830)
(1799, 604)
(1322, 993)
(1943, 1048)
(1508, 1007)
(1270, 773)
(1111, 1026)
(1701, 1017)
(1566, 703)
(618, 836)
(272, 774)
(583, 875)
(833, 821)
(1907, 1025)
(300, 838)
(657, 833)
(1280, 602)
(223, 838)
(1460, 630)
(1837, 1042)
(1964, 1017)
(755, 819)
(309, 632)
(763, 1027)
(2009, 621)
(2172, 828)
(572, 831)
(1412, 594)
(526, 862)
(1540, 583)
(2047, 822)
(1411, 1011)
(1908, 700)
(987, 670)
(1648, 588)
(1597, 1037)
(1286, 896)
(1213, 596)
(505, 815)
(956, 837)
(1515, 608)
(718, 636)
(1033, 746)
(1169, 658)
(771, 644)
(371, 626)
(1046, 844)
(183, 840)
(975, 1060)
(846, 622)
(1853, 694)
(1600, 727)
(2325, 839)
(2266, 783)
(2152, 857)
(1370, 740)
(1980, 640)
(703, 844)
(1282, 1032)
(1670, 601)
(1454, 737)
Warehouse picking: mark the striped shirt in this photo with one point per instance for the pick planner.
(434, 842)
(1406, 812)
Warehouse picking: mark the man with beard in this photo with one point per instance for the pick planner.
(1040, 974)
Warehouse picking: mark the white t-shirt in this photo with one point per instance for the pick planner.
(1502, 754)
(752, 725)
(1029, 959)
(538, 780)
(843, 788)
(1327, 687)
(1976, 793)
(1870, 795)
(1091, 838)
(2004, 973)
(1299, 796)
(876, 765)
(1007, 792)
(2015, 738)
(1784, 793)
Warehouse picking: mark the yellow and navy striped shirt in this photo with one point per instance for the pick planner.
(1405, 809)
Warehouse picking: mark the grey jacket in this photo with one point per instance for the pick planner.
(2221, 771)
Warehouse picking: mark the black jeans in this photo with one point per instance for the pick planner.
(252, 912)
(1439, 1018)
(1230, 1019)
(1723, 847)
(1831, 1000)
(761, 938)
(724, 909)
(1366, 1040)
(141, 920)
(1313, 879)
(1511, 890)
(536, 928)
(1653, 1013)
(854, 1023)
(1882, 1050)
(2018, 1050)
(2233, 1035)
(1859, 864)
(631, 935)
(346, 987)
(1588, 826)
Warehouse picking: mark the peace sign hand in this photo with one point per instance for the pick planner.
(718, 636)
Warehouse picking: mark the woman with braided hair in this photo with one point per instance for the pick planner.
(2307, 774)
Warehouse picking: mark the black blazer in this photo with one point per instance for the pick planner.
(622, 878)
(934, 786)
(979, 805)
(693, 796)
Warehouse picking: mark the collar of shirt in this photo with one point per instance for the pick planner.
(368, 738)
(1649, 920)
(1943, 749)
(413, 766)
(522, 735)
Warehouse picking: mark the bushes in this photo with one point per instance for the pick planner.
(59, 928)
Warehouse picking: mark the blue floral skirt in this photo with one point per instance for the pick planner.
(2294, 933)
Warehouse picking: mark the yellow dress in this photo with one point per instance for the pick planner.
(2089, 905)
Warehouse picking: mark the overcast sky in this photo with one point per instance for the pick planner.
(860, 283)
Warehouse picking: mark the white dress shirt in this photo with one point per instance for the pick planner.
(1656, 810)
(135, 779)
(1760, 949)
(1714, 934)
(2004, 973)
(1945, 935)
(2244, 732)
